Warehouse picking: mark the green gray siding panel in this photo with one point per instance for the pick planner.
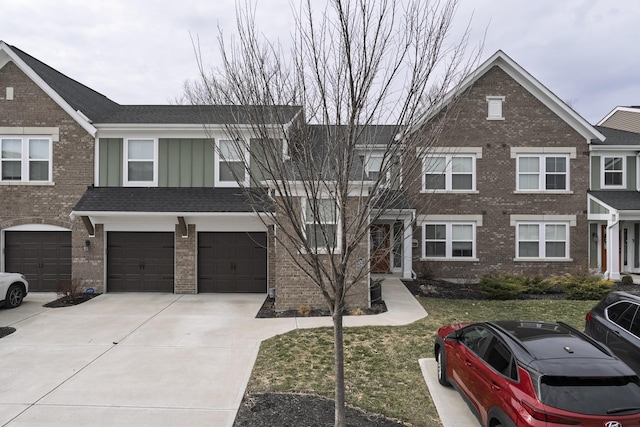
(631, 172)
(185, 163)
(110, 173)
(595, 173)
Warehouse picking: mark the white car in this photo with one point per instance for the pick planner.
(13, 288)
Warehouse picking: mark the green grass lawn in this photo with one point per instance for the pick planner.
(381, 363)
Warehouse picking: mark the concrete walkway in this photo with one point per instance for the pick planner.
(146, 359)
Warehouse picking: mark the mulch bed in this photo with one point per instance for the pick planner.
(6, 330)
(68, 300)
(268, 311)
(301, 410)
(452, 290)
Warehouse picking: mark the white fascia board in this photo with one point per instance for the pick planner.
(527, 81)
(590, 198)
(199, 131)
(75, 214)
(78, 117)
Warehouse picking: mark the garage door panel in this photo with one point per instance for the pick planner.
(44, 257)
(232, 262)
(140, 262)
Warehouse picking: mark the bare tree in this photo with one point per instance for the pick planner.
(327, 128)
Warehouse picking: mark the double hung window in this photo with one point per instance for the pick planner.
(449, 240)
(321, 223)
(542, 240)
(230, 161)
(543, 172)
(25, 159)
(613, 171)
(449, 172)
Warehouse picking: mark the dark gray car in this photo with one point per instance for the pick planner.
(615, 322)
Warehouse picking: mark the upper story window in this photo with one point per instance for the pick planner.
(230, 164)
(613, 171)
(449, 172)
(549, 172)
(494, 107)
(141, 162)
(321, 223)
(25, 159)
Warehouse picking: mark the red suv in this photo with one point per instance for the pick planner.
(530, 373)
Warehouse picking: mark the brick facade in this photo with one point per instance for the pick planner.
(185, 275)
(527, 123)
(72, 171)
(294, 288)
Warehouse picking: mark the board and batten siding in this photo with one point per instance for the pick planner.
(110, 172)
(185, 163)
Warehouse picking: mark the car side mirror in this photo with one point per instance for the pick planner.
(453, 336)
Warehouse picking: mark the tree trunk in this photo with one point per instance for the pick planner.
(338, 354)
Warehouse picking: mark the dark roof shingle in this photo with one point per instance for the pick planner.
(170, 200)
(618, 137)
(623, 200)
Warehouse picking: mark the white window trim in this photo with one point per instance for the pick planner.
(541, 240)
(495, 100)
(381, 156)
(218, 159)
(449, 242)
(322, 250)
(542, 173)
(624, 171)
(125, 168)
(25, 161)
(449, 173)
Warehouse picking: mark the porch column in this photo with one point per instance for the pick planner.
(613, 249)
(407, 250)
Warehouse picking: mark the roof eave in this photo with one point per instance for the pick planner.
(76, 115)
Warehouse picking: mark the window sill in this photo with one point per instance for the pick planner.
(495, 118)
(543, 259)
(449, 191)
(457, 259)
(543, 192)
(28, 183)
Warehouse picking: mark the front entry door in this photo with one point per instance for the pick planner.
(380, 248)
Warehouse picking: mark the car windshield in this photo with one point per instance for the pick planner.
(592, 396)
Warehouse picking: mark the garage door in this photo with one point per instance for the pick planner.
(44, 257)
(232, 262)
(140, 262)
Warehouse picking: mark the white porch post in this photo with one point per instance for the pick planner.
(407, 250)
(613, 248)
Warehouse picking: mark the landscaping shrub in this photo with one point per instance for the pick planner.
(627, 280)
(502, 287)
(583, 286)
(539, 285)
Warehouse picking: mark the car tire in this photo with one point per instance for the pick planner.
(14, 296)
(441, 361)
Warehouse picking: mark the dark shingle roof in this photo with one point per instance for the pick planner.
(92, 104)
(201, 114)
(168, 199)
(624, 200)
(618, 137)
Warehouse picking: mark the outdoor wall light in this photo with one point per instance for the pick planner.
(87, 243)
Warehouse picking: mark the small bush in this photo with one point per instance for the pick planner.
(69, 288)
(304, 310)
(583, 286)
(627, 280)
(502, 287)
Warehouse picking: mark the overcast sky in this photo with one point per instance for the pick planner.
(140, 51)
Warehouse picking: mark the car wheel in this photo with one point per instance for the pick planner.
(441, 360)
(14, 296)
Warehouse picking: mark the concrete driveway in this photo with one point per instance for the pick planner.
(145, 359)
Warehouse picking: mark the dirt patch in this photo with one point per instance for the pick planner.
(70, 300)
(268, 310)
(301, 410)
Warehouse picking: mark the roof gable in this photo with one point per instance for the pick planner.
(528, 82)
(623, 118)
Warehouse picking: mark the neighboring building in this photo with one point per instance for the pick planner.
(614, 196)
(136, 197)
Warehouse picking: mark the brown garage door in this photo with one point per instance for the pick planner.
(140, 262)
(232, 262)
(44, 257)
